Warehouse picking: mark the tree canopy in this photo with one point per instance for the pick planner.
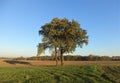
(62, 34)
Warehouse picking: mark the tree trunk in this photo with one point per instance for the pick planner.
(62, 57)
(56, 56)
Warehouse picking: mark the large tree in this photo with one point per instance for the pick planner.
(63, 35)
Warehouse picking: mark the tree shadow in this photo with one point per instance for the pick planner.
(17, 62)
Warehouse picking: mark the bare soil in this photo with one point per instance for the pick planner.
(11, 62)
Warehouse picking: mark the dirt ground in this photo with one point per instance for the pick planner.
(10, 62)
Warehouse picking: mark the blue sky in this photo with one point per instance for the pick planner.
(20, 21)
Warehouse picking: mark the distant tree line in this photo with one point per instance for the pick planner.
(73, 58)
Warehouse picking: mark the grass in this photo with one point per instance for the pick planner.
(64, 74)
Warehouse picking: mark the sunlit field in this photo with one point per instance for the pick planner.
(64, 74)
(86, 72)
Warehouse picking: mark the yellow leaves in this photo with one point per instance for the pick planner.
(75, 24)
(54, 42)
(64, 34)
(45, 39)
(81, 34)
(71, 31)
(55, 20)
(52, 32)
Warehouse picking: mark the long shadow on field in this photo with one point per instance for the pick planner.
(17, 62)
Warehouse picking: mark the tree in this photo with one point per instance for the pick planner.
(63, 35)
